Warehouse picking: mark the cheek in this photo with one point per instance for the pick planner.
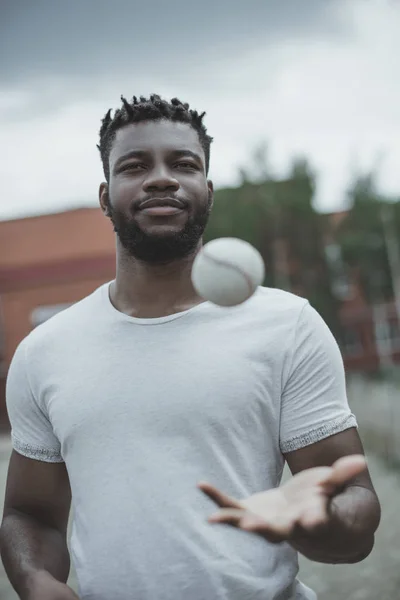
(124, 191)
(202, 191)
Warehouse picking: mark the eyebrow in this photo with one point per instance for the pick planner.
(187, 153)
(143, 154)
(131, 154)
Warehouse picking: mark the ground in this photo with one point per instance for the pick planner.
(377, 577)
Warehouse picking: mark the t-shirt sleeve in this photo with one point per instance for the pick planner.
(31, 431)
(314, 400)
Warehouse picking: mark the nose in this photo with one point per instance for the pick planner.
(160, 178)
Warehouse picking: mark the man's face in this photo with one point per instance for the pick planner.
(158, 196)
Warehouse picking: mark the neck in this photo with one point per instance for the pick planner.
(148, 291)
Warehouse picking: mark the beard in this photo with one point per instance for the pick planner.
(158, 249)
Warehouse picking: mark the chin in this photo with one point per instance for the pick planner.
(162, 231)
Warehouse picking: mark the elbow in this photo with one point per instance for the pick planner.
(363, 553)
(366, 534)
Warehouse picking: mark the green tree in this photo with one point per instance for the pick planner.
(362, 238)
(277, 216)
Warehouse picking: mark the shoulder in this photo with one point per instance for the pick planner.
(271, 312)
(284, 311)
(68, 321)
(278, 302)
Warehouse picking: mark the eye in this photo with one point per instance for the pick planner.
(186, 165)
(132, 167)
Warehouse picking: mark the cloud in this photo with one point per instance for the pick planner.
(88, 38)
(334, 97)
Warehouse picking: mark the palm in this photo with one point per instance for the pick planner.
(302, 502)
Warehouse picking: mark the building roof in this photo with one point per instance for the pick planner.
(75, 234)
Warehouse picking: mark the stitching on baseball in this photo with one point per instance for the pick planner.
(230, 265)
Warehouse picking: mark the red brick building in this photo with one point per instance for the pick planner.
(371, 332)
(47, 262)
(50, 261)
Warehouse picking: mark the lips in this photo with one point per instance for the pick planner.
(162, 202)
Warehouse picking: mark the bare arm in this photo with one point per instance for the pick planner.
(33, 534)
(354, 513)
(328, 510)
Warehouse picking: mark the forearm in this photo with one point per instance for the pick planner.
(349, 535)
(29, 547)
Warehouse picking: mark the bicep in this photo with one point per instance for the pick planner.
(32, 432)
(327, 451)
(39, 489)
(314, 402)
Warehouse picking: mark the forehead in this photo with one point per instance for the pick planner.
(155, 137)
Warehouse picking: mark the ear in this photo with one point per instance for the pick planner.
(210, 186)
(104, 199)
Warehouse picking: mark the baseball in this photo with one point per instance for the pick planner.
(227, 271)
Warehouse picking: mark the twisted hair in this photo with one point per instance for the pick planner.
(149, 109)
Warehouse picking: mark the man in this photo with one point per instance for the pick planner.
(149, 407)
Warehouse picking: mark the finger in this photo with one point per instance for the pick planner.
(278, 520)
(238, 518)
(308, 477)
(346, 468)
(241, 518)
(230, 516)
(273, 532)
(218, 497)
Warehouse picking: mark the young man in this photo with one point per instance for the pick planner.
(129, 399)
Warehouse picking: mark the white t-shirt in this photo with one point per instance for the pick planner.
(141, 410)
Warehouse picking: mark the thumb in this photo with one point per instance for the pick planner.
(347, 467)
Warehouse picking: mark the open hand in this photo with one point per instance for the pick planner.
(303, 502)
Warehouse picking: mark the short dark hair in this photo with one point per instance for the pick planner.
(150, 109)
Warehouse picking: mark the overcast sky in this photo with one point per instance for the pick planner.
(318, 78)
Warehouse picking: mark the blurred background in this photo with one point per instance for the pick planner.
(303, 101)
